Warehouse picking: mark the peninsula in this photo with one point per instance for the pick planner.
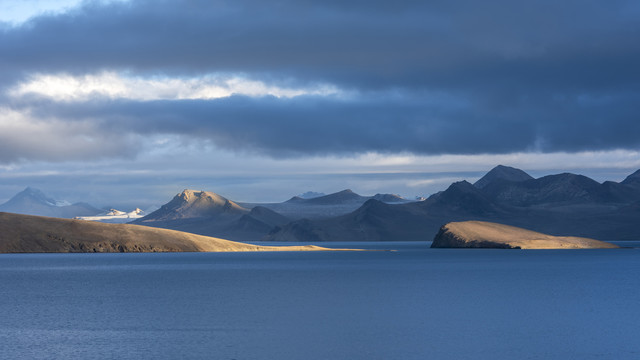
(481, 234)
(38, 234)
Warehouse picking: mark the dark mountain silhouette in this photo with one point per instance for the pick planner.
(632, 180)
(378, 221)
(549, 189)
(562, 189)
(32, 201)
(311, 195)
(564, 204)
(461, 198)
(341, 197)
(620, 192)
(296, 199)
(256, 223)
(389, 198)
(502, 173)
(336, 204)
(210, 214)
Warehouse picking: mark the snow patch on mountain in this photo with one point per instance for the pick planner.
(311, 195)
(115, 216)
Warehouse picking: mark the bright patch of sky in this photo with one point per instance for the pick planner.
(65, 87)
(16, 12)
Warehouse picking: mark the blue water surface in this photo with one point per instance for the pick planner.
(413, 303)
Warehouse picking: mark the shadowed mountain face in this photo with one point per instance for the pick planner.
(562, 188)
(373, 221)
(633, 180)
(258, 222)
(32, 201)
(502, 173)
(389, 198)
(210, 214)
(378, 221)
(564, 204)
(326, 206)
(461, 198)
(310, 195)
(342, 197)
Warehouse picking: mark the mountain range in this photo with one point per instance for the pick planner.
(207, 213)
(561, 204)
(32, 201)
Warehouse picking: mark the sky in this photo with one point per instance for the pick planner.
(127, 102)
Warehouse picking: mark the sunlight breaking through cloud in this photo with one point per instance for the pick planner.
(118, 85)
(18, 12)
(23, 137)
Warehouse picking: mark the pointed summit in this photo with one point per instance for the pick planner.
(632, 179)
(341, 197)
(32, 201)
(33, 195)
(195, 204)
(502, 172)
(296, 199)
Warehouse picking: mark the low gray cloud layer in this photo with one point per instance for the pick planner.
(424, 77)
(319, 125)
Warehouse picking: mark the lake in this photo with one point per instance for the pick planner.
(413, 303)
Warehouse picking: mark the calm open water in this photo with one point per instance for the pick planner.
(414, 303)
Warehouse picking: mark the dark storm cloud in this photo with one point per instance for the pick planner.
(543, 75)
(373, 43)
(321, 125)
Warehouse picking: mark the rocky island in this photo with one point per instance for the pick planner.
(481, 234)
(38, 234)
